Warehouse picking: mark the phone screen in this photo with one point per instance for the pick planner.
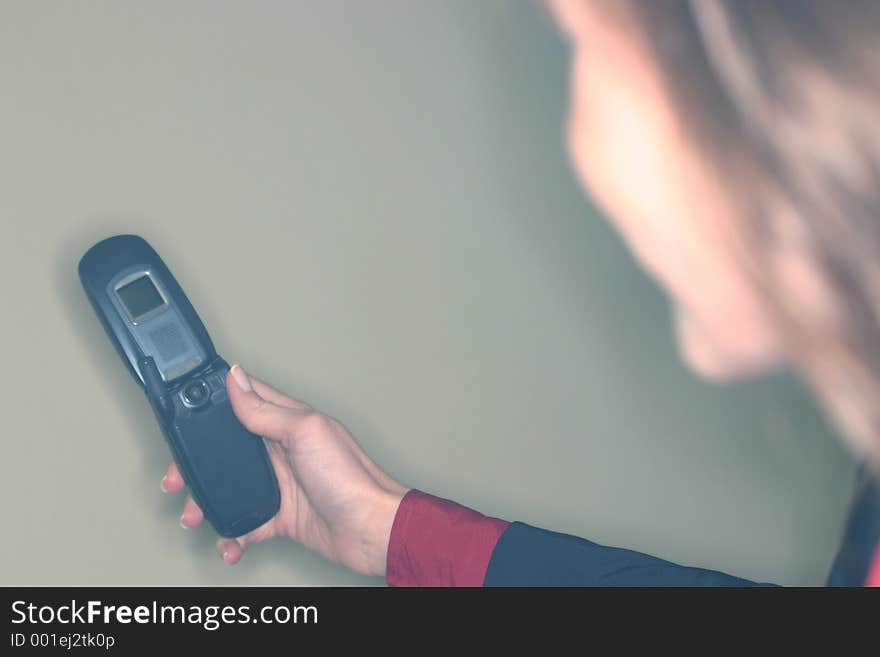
(140, 297)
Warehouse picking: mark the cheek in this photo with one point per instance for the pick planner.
(631, 159)
(622, 156)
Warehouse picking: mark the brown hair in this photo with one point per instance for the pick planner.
(784, 98)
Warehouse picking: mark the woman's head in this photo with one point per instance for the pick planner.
(736, 146)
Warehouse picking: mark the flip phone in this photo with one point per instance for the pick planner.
(167, 349)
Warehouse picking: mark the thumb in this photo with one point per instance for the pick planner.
(257, 414)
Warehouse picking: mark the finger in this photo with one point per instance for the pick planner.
(278, 459)
(275, 396)
(172, 482)
(259, 415)
(192, 515)
(229, 550)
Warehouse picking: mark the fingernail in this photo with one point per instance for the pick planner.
(224, 556)
(162, 484)
(181, 523)
(241, 378)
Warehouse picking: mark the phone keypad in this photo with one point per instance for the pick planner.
(217, 383)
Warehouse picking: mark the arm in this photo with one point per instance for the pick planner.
(436, 542)
(336, 501)
(529, 556)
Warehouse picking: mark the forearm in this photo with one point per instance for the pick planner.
(529, 556)
(436, 542)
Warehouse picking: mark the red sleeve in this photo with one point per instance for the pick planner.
(873, 578)
(436, 542)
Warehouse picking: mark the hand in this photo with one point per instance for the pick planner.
(334, 499)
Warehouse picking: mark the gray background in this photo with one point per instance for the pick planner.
(370, 206)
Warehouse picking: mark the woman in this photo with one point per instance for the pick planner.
(751, 130)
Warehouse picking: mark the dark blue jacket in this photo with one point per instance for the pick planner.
(529, 556)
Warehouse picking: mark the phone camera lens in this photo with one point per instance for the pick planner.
(195, 393)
